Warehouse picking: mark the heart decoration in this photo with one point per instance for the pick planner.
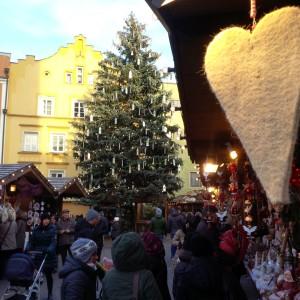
(256, 78)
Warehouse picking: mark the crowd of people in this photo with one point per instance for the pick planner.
(206, 255)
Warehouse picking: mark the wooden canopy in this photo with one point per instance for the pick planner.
(191, 24)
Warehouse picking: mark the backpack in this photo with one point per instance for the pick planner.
(20, 269)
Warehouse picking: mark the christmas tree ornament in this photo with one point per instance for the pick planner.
(100, 130)
(122, 163)
(88, 132)
(137, 151)
(164, 99)
(119, 146)
(254, 75)
(113, 171)
(153, 161)
(153, 146)
(129, 169)
(116, 120)
(89, 156)
(132, 106)
(141, 142)
(179, 168)
(138, 62)
(174, 162)
(129, 136)
(143, 123)
(126, 90)
(147, 142)
(131, 52)
(103, 90)
(146, 131)
(139, 111)
(91, 118)
(164, 188)
(139, 167)
(130, 75)
(165, 161)
(116, 95)
(113, 160)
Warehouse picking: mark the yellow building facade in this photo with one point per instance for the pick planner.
(188, 172)
(44, 97)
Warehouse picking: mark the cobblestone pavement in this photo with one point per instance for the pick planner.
(246, 282)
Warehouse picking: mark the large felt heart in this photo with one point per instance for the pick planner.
(256, 78)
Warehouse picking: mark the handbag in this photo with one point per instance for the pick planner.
(5, 234)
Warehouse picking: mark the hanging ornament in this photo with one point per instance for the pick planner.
(129, 169)
(137, 151)
(130, 75)
(89, 156)
(153, 146)
(164, 99)
(146, 131)
(138, 61)
(139, 167)
(119, 146)
(116, 121)
(150, 55)
(169, 134)
(116, 95)
(144, 163)
(113, 160)
(179, 168)
(139, 111)
(165, 162)
(144, 124)
(126, 90)
(164, 188)
(145, 151)
(132, 106)
(100, 130)
(174, 162)
(131, 53)
(91, 118)
(153, 161)
(88, 132)
(141, 142)
(147, 142)
(103, 90)
(122, 163)
(151, 101)
(132, 186)
(154, 113)
(113, 171)
(164, 129)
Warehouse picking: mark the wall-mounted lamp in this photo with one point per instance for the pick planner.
(233, 154)
(210, 168)
(12, 188)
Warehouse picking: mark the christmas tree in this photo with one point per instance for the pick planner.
(124, 147)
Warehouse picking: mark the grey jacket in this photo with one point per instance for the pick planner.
(66, 238)
(9, 242)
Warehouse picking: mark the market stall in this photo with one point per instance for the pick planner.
(238, 77)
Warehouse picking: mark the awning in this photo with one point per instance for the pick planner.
(191, 25)
(68, 187)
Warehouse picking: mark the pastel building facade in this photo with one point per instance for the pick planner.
(44, 97)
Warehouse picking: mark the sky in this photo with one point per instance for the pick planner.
(40, 27)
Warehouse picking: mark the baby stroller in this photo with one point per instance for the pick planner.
(24, 280)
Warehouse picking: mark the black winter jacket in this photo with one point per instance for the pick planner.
(201, 278)
(79, 281)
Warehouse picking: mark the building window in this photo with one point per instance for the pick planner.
(56, 173)
(91, 79)
(57, 142)
(45, 106)
(79, 75)
(194, 179)
(30, 141)
(69, 78)
(78, 109)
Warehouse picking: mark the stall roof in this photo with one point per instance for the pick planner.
(11, 172)
(191, 25)
(68, 187)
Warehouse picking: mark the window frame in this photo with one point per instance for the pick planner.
(42, 109)
(66, 77)
(58, 134)
(57, 171)
(79, 75)
(84, 109)
(36, 133)
(190, 180)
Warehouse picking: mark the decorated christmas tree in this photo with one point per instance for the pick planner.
(125, 149)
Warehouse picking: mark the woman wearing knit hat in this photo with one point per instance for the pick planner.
(79, 273)
(43, 240)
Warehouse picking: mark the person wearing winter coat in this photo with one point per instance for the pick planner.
(43, 240)
(158, 224)
(129, 278)
(85, 228)
(115, 228)
(65, 230)
(201, 278)
(21, 229)
(80, 272)
(156, 262)
(8, 232)
(175, 221)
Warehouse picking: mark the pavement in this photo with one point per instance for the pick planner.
(246, 282)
